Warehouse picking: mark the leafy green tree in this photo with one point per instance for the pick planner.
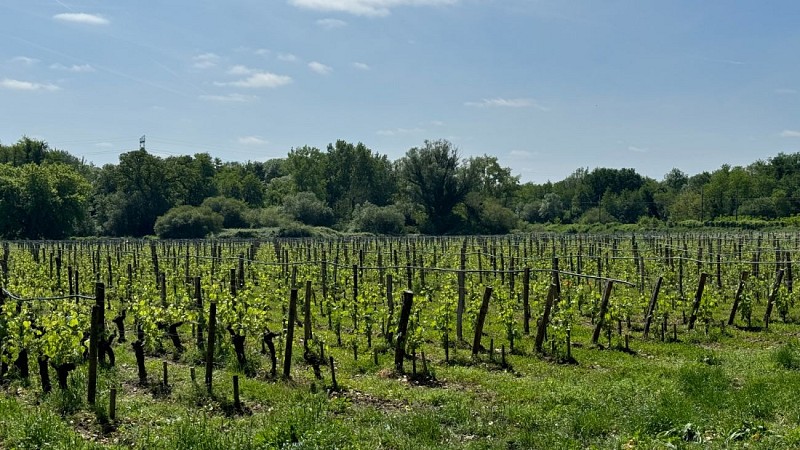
(493, 180)
(134, 194)
(188, 222)
(308, 168)
(356, 175)
(435, 180)
(378, 219)
(233, 211)
(42, 201)
(305, 207)
(485, 215)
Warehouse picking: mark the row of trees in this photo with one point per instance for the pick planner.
(48, 193)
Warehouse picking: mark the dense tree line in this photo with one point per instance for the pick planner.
(49, 193)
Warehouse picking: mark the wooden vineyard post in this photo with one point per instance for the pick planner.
(389, 305)
(287, 354)
(307, 316)
(462, 289)
(771, 300)
(738, 297)
(212, 331)
(648, 318)
(526, 305)
(112, 404)
(198, 298)
(402, 328)
(476, 341)
(94, 336)
(698, 296)
(602, 315)
(542, 330)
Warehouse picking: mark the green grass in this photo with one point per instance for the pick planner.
(731, 390)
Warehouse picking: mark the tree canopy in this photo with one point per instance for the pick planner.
(49, 193)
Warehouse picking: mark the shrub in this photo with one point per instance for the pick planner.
(295, 230)
(788, 356)
(378, 219)
(188, 222)
(305, 207)
(272, 216)
(232, 211)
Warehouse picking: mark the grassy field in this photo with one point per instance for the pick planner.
(726, 388)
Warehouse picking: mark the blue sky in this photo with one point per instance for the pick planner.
(546, 86)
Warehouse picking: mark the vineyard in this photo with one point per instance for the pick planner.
(529, 341)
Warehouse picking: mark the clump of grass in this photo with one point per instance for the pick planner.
(703, 383)
(788, 356)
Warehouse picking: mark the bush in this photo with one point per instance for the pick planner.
(295, 230)
(305, 207)
(188, 222)
(232, 211)
(788, 356)
(272, 216)
(378, 219)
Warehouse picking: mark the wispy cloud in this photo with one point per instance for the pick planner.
(507, 103)
(790, 133)
(252, 140)
(786, 91)
(24, 60)
(240, 70)
(77, 68)
(371, 8)
(104, 145)
(18, 85)
(205, 60)
(288, 57)
(229, 98)
(399, 131)
(259, 80)
(330, 24)
(635, 149)
(320, 68)
(262, 52)
(84, 18)
(361, 66)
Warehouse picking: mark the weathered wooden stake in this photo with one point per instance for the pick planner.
(476, 341)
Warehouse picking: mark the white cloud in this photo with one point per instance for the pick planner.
(361, 66)
(77, 68)
(330, 24)
(262, 52)
(288, 57)
(507, 103)
(437, 123)
(372, 8)
(637, 149)
(399, 131)
(320, 68)
(252, 140)
(790, 133)
(17, 85)
(240, 70)
(259, 80)
(786, 91)
(24, 60)
(104, 144)
(84, 18)
(205, 61)
(229, 98)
